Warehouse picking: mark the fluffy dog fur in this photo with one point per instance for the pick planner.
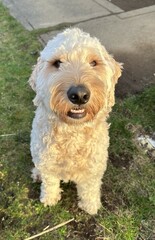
(66, 148)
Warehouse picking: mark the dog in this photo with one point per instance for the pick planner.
(74, 80)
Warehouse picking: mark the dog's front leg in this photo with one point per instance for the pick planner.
(50, 190)
(89, 195)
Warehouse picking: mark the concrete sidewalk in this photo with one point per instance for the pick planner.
(129, 36)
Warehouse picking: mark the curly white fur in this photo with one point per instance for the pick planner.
(63, 148)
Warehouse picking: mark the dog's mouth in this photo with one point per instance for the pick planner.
(77, 113)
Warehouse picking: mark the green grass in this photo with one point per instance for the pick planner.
(128, 186)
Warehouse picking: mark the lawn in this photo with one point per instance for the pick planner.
(128, 191)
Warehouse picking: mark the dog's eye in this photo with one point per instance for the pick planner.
(93, 63)
(57, 63)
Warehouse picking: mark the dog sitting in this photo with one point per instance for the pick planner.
(74, 81)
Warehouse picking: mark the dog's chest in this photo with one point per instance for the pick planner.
(71, 144)
(70, 152)
(73, 151)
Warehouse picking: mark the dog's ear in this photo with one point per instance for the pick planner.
(117, 71)
(33, 77)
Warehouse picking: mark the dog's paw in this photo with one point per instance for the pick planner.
(36, 176)
(50, 200)
(90, 207)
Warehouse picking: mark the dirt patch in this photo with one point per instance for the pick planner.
(112, 201)
(86, 229)
(124, 160)
(34, 191)
(133, 4)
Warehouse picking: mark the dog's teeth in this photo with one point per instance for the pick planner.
(77, 110)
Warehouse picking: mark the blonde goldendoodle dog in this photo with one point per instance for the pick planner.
(74, 81)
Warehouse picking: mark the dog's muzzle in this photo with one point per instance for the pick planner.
(78, 95)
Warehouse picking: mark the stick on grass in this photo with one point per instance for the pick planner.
(51, 229)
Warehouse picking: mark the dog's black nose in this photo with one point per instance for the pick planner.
(78, 94)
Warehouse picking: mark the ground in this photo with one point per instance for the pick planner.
(139, 71)
(132, 4)
(138, 66)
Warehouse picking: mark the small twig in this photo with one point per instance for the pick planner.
(105, 228)
(46, 228)
(8, 135)
(51, 229)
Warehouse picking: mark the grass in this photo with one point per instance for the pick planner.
(128, 186)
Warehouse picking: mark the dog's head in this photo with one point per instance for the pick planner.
(75, 77)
